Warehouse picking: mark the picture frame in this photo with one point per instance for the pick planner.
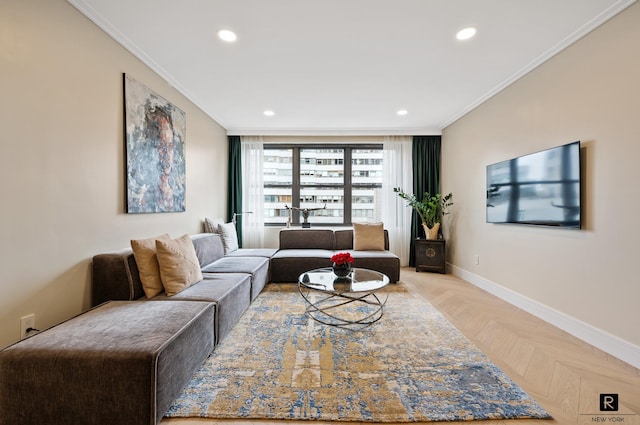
(155, 131)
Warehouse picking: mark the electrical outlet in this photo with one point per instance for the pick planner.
(476, 259)
(27, 322)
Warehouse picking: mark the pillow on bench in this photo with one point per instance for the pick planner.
(368, 236)
(144, 251)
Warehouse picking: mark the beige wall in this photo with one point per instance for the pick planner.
(62, 161)
(589, 92)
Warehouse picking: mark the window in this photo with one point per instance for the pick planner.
(341, 183)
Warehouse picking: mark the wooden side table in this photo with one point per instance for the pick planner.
(430, 255)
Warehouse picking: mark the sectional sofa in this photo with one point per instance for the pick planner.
(127, 359)
(229, 281)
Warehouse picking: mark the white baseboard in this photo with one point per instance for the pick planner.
(611, 344)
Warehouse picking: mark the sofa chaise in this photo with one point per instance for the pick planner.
(301, 250)
(119, 363)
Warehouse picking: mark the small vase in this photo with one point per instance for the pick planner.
(431, 233)
(341, 270)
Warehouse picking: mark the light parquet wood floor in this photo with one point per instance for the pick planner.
(562, 373)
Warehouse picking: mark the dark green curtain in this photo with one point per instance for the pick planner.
(234, 194)
(426, 178)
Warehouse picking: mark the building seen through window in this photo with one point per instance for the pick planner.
(342, 182)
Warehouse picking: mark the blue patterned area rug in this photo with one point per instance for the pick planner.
(411, 366)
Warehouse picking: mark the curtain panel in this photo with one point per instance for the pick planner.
(234, 192)
(252, 191)
(394, 213)
(426, 178)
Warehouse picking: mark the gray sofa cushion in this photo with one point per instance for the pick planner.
(253, 252)
(257, 267)
(122, 362)
(288, 264)
(306, 239)
(115, 277)
(208, 246)
(322, 254)
(383, 261)
(230, 291)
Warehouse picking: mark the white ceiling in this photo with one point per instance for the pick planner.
(344, 66)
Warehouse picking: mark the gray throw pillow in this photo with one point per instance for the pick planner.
(211, 224)
(229, 237)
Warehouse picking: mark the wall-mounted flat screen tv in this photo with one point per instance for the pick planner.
(541, 188)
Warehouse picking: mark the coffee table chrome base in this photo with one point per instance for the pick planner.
(328, 307)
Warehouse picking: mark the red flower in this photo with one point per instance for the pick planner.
(342, 257)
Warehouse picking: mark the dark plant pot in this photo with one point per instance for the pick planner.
(341, 270)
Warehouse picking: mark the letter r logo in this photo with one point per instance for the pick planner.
(608, 402)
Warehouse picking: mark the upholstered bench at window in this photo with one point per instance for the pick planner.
(305, 249)
(119, 363)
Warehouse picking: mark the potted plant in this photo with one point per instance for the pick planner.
(431, 209)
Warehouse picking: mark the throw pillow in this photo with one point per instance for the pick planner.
(229, 237)
(144, 251)
(179, 265)
(211, 224)
(368, 237)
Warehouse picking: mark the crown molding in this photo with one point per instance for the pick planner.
(334, 131)
(104, 24)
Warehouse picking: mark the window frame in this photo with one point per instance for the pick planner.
(347, 185)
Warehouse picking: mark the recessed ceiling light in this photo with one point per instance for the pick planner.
(402, 112)
(227, 35)
(466, 33)
(269, 113)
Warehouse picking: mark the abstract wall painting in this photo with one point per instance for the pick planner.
(155, 131)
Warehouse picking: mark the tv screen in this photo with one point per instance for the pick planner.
(541, 188)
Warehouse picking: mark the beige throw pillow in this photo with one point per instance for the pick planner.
(179, 266)
(368, 236)
(144, 251)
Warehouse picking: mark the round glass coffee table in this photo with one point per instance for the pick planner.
(346, 302)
